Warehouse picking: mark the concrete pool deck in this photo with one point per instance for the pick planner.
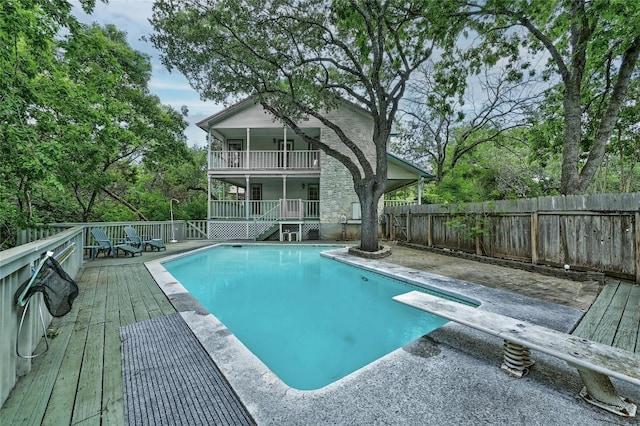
(450, 376)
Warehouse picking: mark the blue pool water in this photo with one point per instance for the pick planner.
(310, 319)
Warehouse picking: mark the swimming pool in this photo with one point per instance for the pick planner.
(311, 320)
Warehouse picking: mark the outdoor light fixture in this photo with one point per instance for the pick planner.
(173, 229)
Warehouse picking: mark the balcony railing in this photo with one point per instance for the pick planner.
(253, 160)
(283, 209)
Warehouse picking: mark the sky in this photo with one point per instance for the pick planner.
(131, 16)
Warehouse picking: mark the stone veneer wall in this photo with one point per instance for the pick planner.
(336, 184)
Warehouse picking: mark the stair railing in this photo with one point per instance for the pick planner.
(269, 218)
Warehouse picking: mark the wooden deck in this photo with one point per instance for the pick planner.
(79, 380)
(614, 317)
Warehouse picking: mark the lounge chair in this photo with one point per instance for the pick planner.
(105, 245)
(142, 241)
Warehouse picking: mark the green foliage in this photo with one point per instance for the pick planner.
(78, 125)
(469, 225)
(495, 171)
(593, 49)
(582, 125)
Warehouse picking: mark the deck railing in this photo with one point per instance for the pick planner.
(15, 268)
(251, 209)
(261, 160)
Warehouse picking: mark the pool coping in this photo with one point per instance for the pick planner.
(271, 401)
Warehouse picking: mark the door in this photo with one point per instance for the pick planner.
(284, 160)
(256, 198)
(313, 195)
(235, 153)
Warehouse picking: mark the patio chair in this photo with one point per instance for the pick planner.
(143, 241)
(105, 245)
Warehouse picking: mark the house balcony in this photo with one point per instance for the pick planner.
(264, 160)
(265, 210)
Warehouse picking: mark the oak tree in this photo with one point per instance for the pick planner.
(593, 48)
(299, 58)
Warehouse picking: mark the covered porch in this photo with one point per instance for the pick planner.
(257, 206)
(270, 210)
(405, 182)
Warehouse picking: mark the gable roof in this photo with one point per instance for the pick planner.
(250, 101)
(225, 113)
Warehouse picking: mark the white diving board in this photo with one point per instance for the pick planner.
(595, 362)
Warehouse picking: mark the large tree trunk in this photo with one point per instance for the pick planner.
(576, 181)
(369, 225)
(371, 188)
(369, 192)
(570, 181)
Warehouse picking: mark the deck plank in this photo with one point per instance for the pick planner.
(60, 407)
(608, 327)
(112, 394)
(88, 402)
(124, 299)
(152, 304)
(627, 334)
(136, 292)
(591, 320)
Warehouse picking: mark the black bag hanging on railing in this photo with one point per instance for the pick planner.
(57, 287)
(58, 290)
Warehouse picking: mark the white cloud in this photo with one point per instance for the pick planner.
(165, 84)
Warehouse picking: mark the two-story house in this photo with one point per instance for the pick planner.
(266, 182)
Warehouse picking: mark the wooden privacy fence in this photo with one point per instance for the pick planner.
(594, 232)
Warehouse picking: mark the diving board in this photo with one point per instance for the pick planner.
(595, 362)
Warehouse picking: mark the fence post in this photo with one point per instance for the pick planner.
(534, 237)
(408, 233)
(430, 230)
(637, 238)
(392, 227)
(478, 235)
